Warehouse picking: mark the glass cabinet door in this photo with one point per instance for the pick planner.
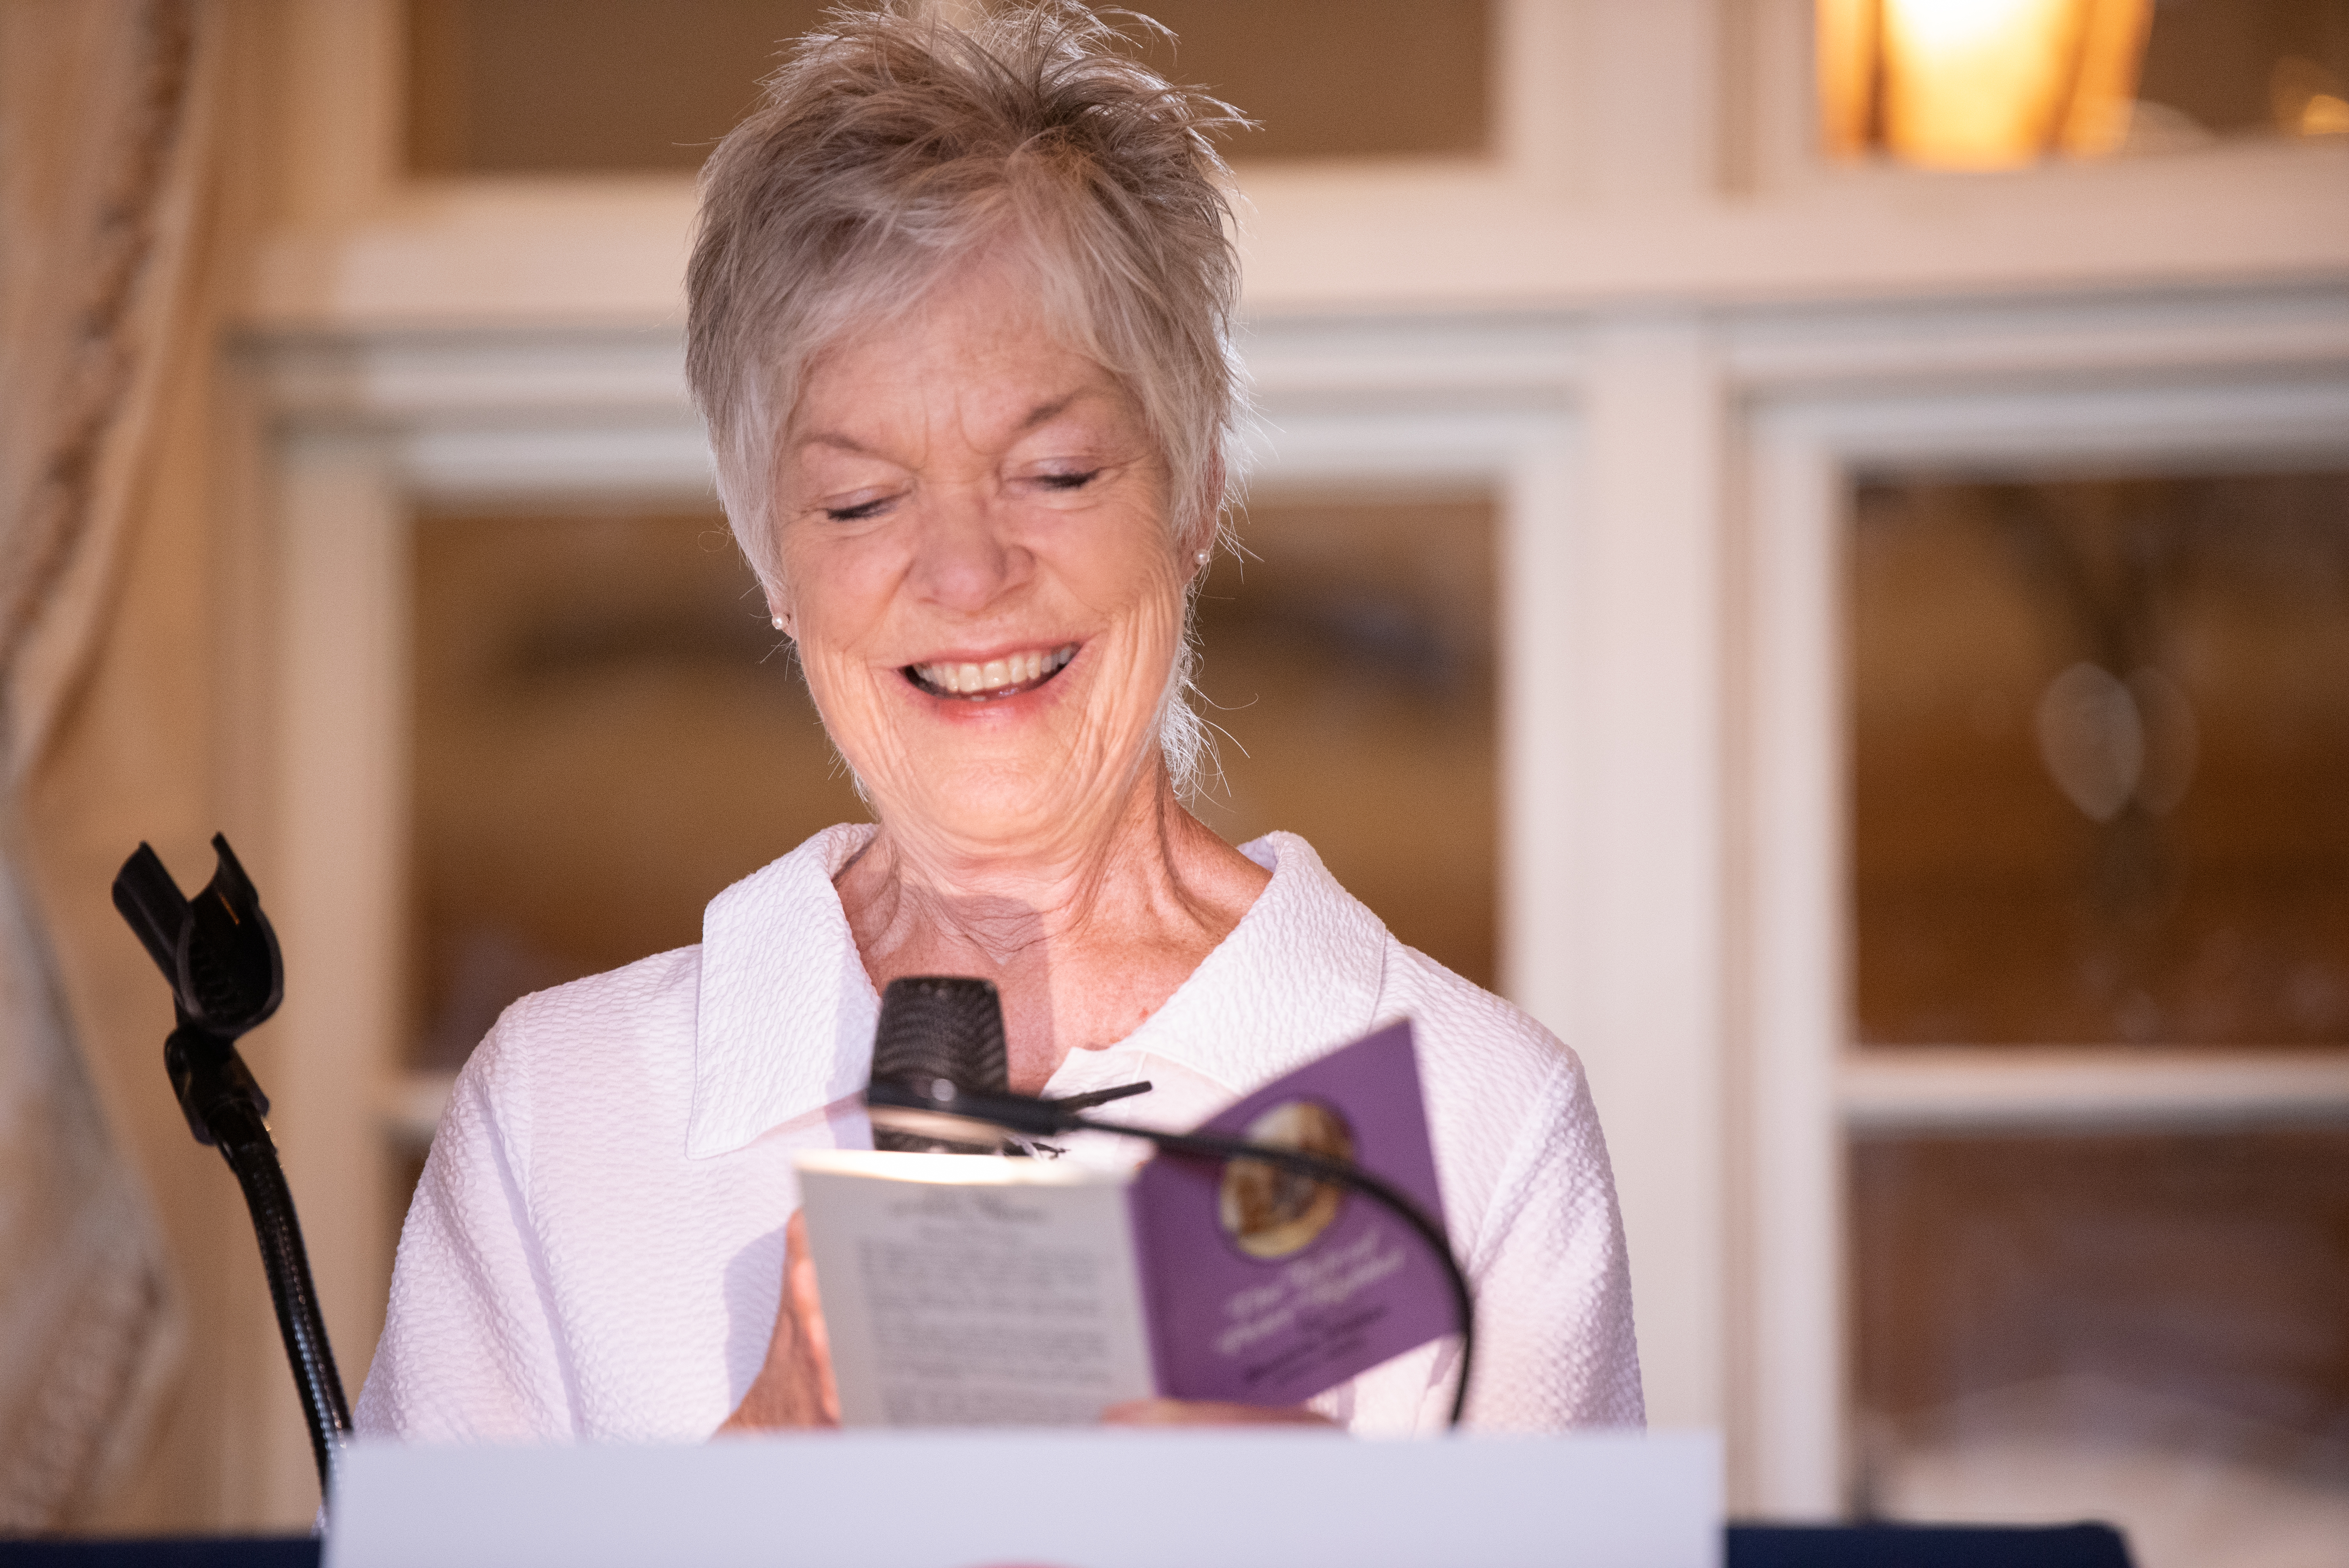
(2099, 740)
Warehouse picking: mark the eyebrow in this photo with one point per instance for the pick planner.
(839, 442)
(1043, 411)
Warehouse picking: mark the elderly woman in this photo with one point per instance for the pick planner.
(960, 324)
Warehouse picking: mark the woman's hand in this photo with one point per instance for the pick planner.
(1210, 1413)
(794, 1388)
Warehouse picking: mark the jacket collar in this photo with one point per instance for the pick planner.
(1300, 974)
(784, 1020)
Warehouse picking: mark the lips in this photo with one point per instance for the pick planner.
(1005, 677)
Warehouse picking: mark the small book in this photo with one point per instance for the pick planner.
(978, 1290)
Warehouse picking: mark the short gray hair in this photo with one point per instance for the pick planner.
(892, 144)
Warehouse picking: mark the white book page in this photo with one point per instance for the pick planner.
(969, 1290)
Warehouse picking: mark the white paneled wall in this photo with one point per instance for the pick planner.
(1652, 325)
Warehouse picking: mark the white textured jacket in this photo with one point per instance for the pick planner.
(595, 1250)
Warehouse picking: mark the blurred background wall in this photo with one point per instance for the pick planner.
(1805, 543)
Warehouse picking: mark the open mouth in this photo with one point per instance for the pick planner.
(1006, 676)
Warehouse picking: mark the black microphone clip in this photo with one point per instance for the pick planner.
(227, 977)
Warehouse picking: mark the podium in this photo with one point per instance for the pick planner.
(1068, 1499)
(1090, 1500)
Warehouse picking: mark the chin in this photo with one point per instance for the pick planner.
(1008, 801)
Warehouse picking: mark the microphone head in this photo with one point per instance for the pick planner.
(939, 1026)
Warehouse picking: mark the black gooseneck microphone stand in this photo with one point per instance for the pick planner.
(939, 1082)
(226, 974)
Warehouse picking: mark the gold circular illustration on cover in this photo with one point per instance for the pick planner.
(1271, 1212)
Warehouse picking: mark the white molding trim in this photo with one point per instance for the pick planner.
(1958, 1089)
(1659, 152)
(337, 881)
(2070, 337)
(1788, 863)
(2061, 342)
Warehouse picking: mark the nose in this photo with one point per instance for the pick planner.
(962, 561)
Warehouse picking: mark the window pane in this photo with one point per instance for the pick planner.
(569, 86)
(2100, 740)
(584, 86)
(2261, 66)
(1349, 660)
(1337, 78)
(607, 733)
(2149, 1329)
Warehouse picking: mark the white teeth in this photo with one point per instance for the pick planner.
(1012, 670)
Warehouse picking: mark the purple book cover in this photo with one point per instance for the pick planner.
(1267, 1288)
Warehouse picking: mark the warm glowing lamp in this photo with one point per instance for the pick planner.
(1978, 83)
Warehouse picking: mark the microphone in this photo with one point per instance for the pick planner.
(938, 1051)
(940, 1036)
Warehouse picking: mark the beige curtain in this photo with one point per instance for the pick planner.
(107, 110)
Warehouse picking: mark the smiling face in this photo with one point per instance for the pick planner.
(976, 567)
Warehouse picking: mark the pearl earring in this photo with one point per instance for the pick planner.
(1201, 558)
(777, 623)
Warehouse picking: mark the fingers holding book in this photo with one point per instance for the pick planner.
(794, 1388)
(1211, 1413)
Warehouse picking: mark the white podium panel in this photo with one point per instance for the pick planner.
(1027, 1499)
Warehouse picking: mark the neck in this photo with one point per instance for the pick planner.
(1085, 933)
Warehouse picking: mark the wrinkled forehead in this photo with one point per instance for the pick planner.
(966, 384)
